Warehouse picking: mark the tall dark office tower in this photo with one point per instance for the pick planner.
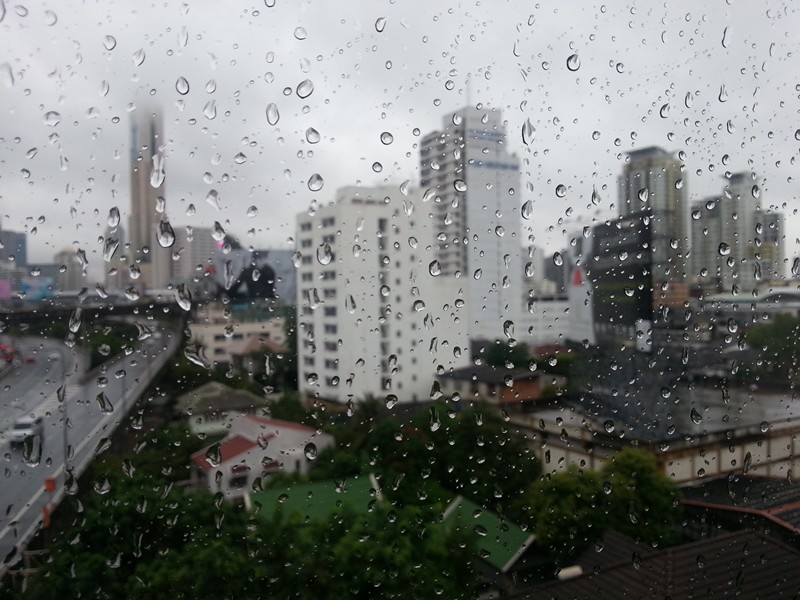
(147, 195)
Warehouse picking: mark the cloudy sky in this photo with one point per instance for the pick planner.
(72, 72)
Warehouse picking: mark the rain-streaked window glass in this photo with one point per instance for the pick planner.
(399, 299)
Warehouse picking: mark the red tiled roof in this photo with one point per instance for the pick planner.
(229, 448)
(279, 423)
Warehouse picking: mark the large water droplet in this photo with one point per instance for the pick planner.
(214, 455)
(695, 416)
(183, 297)
(557, 259)
(460, 185)
(380, 24)
(315, 182)
(104, 403)
(386, 138)
(273, 116)
(723, 93)
(157, 173)
(109, 42)
(240, 158)
(212, 198)
(561, 190)
(724, 249)
(300, 33)
(310, 451)
(210, 110)
(573, 62)
(138, 57)
(664, 111)
(435, 268)
(324, 254)
(182, 86)
(166, 235)
(217, 232)
(52, 118)
(312, 135)
(527, 132)
(110, 246)
(305, 88)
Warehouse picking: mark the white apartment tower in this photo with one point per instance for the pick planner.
(736, 244)
(375, 318)
(473, 182)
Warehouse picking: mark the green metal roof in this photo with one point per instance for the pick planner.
(500, 543)
(316, 501)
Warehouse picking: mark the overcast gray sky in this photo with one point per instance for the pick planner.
(634, 59)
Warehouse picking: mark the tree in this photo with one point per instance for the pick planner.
(779, 352)
(570, 510)
(501, 354)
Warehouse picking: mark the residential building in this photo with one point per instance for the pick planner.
(256, 448)
(221, 328)
(498, 385)
(474, 181)
(211, 409)
(376, 314)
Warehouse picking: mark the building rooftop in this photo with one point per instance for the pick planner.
(316, 501)
(500, 542)
(744, 565)
(777, 500)
(215, 397)
(229, 449)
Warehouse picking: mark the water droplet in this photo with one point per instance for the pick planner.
(386, 138)
(557, 259)
(434, 268)
(210, 110)
(434, 421)
(214, 455)
(609, 426)
(724, 249)
(166, 235)
(104, 403)
(380, 24)
(305, 88)
(477, 274)
(312, 135)
(32, 450)
(508, 328)
(324, 254)
(350, 303)
(527, 210)
(217, 232)
(183, 297)
(796, 267)
(561, 190)
(797, 135)
(755, 191)
(252, 211)
(138, 57)
(664, 111)
(300, 33)
(377, 167)
(52, 118)
(109, 42)
(7, 75)
(644, 195)
(688, 100)
(764, 427)
(695, 416)
(527, 132)
(110, 246)
(460, 185)
(723, 93)
(315, 182)
(157, 173)
(273, 116)
(619, 67)
(747, 463)
(182, 86)
(725, 40)
(310, 451)
(50, 18)
(573, 62)
(212, 198)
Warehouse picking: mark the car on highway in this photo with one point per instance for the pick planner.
(24, 428)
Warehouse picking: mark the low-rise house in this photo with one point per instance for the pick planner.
(211, 408)
(256, 447)
(498, 385)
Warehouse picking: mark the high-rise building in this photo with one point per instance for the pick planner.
(376, 315)
(147, 198)
(654, 180)
(735, 244)
(196, 248)
(473, 183)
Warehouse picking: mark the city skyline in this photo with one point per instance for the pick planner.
(561, 129)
